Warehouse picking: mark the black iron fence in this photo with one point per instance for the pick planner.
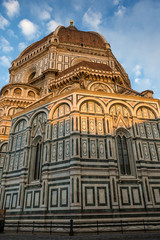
(72, 227)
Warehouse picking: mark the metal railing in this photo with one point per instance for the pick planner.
(73, 227)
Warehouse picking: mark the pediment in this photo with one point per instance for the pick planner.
(121, 122)
(38, 130)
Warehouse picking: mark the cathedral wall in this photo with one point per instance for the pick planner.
(80, 170)
(36, 65)
(55, 59)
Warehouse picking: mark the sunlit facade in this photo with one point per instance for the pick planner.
(76, 141)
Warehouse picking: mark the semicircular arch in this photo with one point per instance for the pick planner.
(119, 102)
(27, 74)
(42, 110)
(65, 89)
(77, 60)
(81, 101)
(145, 105)
(23, 118)
(17, 91)
(101, 83)
(11, 110)
(50, 116)
(3, 147)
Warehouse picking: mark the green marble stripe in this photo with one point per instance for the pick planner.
(148, 162)
(9, 177)
(85, 216)
(99, 177)
(153, 177)
(58, 179)
(11, 190)
(95, 182)
(80, 165)
(152, 182)
(147, 167)
(12, 185)
(59, 184)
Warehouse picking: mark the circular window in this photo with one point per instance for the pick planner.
(5, 93)
(31, 76)
(31, 94)
(17, 91)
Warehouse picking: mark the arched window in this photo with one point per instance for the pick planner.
(17, 144)
(144, 112)
(125, 153)
(119, 108)
(38, 156)
(61, 110)
(36, 159)
(91, 107)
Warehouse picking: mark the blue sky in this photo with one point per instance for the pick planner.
(132, 27)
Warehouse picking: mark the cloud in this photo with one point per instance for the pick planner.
(121, 11)
(11, 33)
(116, 2)
(5, 61)
(92, 19)
(3, 22)
(143, 84)
(52, 25)
(12, 7)
(29, 29)
(42, 11)
(136, 80)
(77, 7)
(45, 15)
(5, 45)
(137, 70)
(135, 38)
(21, 46)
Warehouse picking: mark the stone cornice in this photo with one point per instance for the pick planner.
(11, 85)
(50, 97)
(15, 101)
(83, 72)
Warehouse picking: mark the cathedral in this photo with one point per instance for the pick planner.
(76, 141)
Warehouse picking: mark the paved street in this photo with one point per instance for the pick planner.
(109, 236)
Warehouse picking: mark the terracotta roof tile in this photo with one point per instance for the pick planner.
(92, 65)
(90, 39)
(73, 36)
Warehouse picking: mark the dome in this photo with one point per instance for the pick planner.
(72, 35)
(73, 40)
(89, 39)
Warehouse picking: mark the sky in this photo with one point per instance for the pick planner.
(132, 27)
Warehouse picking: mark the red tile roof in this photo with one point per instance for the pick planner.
(92, 65)
(73, 36)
